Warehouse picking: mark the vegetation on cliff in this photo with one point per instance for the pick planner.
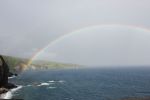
(21, 63)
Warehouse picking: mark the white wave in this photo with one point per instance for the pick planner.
(43, 84)
(28, 85)
(9, 94)
(61, 81)
(11, 77)
(51, 87)
(52, 81)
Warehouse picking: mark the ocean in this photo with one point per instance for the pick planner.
(82, 84)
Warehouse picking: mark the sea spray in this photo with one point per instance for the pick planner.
(9, 94)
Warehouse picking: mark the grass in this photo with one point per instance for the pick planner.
(13, 62)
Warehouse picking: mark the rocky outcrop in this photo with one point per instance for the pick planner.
(3, 90)
(10, 74)
(4, 70)
(4, 74)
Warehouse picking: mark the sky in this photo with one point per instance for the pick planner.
(26, 26)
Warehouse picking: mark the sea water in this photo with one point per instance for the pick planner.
(83, 84)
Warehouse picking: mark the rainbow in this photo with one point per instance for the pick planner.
(39, 52)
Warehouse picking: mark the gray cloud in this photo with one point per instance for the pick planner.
(26, 25)
(103, 46)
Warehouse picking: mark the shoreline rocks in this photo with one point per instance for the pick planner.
(12, 74)
(3, 90)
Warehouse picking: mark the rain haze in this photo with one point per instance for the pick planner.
(26, 26)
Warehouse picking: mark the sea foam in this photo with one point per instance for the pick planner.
(11, 77)
(43, 84)
(9, 94)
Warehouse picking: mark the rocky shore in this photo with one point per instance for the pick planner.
(5, 86)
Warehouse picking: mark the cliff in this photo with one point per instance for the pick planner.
(4, 74)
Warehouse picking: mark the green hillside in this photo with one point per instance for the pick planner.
(14, 61)
(21, 63)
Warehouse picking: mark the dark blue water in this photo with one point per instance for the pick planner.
(83, 84)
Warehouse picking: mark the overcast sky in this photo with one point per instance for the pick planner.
(29, 25)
